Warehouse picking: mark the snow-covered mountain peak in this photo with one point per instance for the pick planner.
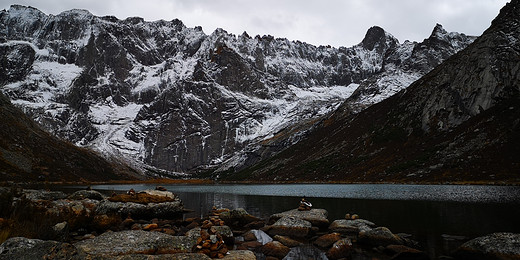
(377, 37)
(171, 98)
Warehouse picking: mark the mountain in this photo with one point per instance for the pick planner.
(28, 153)
(458, 123)
(171, 100)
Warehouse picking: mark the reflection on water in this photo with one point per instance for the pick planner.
(429, 212)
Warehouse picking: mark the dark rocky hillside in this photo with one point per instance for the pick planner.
(28, 153)
(459, 123)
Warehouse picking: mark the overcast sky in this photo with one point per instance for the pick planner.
(319, 22)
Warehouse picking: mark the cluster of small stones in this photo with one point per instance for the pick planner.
(210, 241)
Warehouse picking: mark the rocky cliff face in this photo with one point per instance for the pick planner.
(28, 153)
(168, 98)
(460, 122)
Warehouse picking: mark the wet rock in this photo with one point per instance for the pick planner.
(287, 241)
(340, 249)
(86, 194)
(240, 255)
(134, 242)
(290, 226)
(305, 252)
(494, 246)
(145, 211)
(25, 248)
(350, 227)
(317, 217)
(327, 240)
(380, 236)
(275, 249)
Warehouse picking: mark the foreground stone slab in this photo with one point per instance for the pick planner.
(26, 248)
(137, 210)
(317, 217)
(494, 246)
(135, 242)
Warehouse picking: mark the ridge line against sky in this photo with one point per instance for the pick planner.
(329, 22)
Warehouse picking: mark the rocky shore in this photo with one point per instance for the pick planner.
(150, 224)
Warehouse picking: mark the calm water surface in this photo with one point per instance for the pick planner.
(433, 214)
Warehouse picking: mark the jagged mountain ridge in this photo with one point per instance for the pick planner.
(458, 123)
(179, 100)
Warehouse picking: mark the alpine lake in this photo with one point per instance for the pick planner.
(440, 217)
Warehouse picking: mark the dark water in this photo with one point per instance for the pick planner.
(439, 216)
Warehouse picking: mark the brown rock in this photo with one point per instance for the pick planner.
(169, 231)
(192, 225)
(327, 240)
(380, 236)
(104, 222)
(150, 227)
(287, 241)
(249, 236)
(136, 227)
(251, 245)
(275, 249)
(340, 249)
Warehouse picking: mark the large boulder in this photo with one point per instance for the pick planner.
(25, 248)
(494, 246)
(237, 217)
(134, 242)
(350, 227)
(380, 236)
(160, 193)
(137, 210)
(86, 194)
(290, 226)
(275, 249)
(37, 195)
(317, 217)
